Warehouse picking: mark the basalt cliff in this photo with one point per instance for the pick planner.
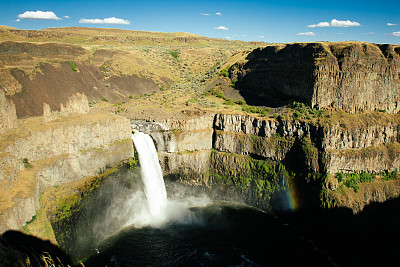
(350, 76)
(249, 121)
(55, 149)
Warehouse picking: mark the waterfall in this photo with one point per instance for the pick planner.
(151, 172)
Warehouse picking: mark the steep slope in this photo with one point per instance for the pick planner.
(352, 76)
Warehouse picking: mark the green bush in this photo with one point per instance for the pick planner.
(225, 72)
(73, 66)
(366, 177)
(174, 54)
(26, 163)
(104, 99)
(352, 181)
(252, 109)
(339, 177)
(386, 176)
(240, 102)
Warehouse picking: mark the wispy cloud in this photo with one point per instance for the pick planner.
(38, 15)
(111, 20)
(369, 33)
(260, 36)
(336, 23)
(221, 28)
(396, 34)
(306, 34)
(67, 17)
(340, 33)
(218, 13)
(204, 14)
(391, 24)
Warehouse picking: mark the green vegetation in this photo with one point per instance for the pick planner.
(264, 112)
(104, 99)
(387, 176)
(352, 180)
(174, 54)
(259, 178)
(26, 163)
(73, 66)
(339, 177)
(301, 110)
(225, 72)
(309, 149)
(31, 220)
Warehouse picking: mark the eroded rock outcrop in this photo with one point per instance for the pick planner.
(8, 117)
(77, 104)
(352, 76)
(41, 154)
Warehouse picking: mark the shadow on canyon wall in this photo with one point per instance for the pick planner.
(370, 238)
(19, 249)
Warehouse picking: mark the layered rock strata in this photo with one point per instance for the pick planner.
(351, 76)
(41, 154)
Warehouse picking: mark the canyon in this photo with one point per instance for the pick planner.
(328, 126)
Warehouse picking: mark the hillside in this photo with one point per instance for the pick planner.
(113, 65)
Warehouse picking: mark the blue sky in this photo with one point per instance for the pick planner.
(251, 20)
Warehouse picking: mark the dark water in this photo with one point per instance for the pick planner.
(222, 235)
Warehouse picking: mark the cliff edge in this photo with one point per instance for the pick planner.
(351, 76)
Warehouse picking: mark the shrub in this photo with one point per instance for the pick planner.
(73, 66)
(366, 177)
(225, 72)
(26, 163)
(240, 102)
(339, 177)
(174, 54)
(352, 181)
(104, 99)
(251, 109)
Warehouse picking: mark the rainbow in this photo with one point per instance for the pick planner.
(292, 197)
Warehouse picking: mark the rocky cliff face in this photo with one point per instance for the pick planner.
(41, 154)
(351, 76)
(8, 117)
(197, 151)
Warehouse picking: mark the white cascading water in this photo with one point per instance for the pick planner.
(151, 173)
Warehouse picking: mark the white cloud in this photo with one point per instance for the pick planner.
(336, 23)
(306, 34)
(45, 15)
(221, 28)
(321, 24)
(111, 20)
(18, 20)
(369, 33)
(228, 37)
(204, 14)
(67, 17)
(260, 36)
(391, 24)
(396, 34)
(244, 35)
(218, 13)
